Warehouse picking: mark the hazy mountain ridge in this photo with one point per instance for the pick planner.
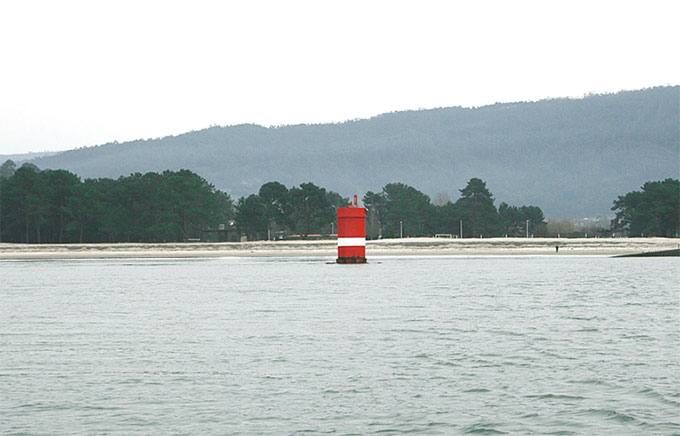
(20, 158)
(571, 157)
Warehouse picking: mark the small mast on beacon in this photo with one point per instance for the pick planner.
(352, 234)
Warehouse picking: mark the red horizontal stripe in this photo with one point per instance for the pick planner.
(351, 228)
(351, 251)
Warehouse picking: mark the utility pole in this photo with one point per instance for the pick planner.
(527, 228)
(401, 229)
(461, 229)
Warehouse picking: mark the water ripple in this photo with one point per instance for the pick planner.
(288, 346)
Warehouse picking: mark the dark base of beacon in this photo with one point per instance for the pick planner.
(346, 260)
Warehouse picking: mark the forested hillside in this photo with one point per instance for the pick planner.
(571, 156)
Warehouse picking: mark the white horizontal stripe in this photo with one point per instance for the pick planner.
(351, 242)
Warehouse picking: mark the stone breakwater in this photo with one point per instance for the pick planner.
(320, 248)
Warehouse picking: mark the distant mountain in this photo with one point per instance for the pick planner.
(571, 157)
(18, 159)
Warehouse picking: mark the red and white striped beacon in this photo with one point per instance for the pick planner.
(351, 234)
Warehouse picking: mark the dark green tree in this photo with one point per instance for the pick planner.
(654, 211)
(225, 207)
(376, 210)
(310, 209)
(133, 197)
(60, 188)
(275, 197)
(193, 203)
(511, 219)
(514, 220)
(24, 205)
(251, 217)
(534, 215)
(32, 166)
(407, 211)
(336, 201)
(7, 169)
(479, 214)
(108, 209)
(83, 207)
(55, 206)
(448, 218)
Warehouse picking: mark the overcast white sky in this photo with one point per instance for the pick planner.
(78, 73)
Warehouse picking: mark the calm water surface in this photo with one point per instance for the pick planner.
(439, 345)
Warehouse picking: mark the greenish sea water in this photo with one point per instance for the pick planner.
(417, 345)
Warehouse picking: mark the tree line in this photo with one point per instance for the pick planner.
(55, 206)
(277, 211)
(398, 210)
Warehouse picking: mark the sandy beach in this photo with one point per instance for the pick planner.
(385, 247)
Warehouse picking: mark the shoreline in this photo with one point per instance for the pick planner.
(328, 248)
